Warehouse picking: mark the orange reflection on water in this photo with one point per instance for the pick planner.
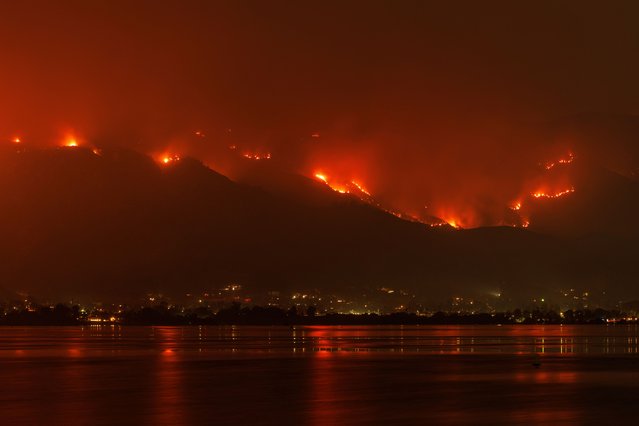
(326, 398)
(168, 394)
(541, 376)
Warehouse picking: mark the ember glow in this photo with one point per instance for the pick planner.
(542, 194)
(257, 155)
(167, 159)
(361, 188)
(71, 142)
(566, 160)
(453, 223)
(321, 177)
(347, 187)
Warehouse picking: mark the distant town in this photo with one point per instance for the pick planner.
(233, 304)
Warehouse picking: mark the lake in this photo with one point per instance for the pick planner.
(319, 375)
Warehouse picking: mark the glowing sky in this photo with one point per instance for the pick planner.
(444, 108)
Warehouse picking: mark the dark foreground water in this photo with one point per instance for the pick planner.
(319, 375)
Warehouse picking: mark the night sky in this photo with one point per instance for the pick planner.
(445, 106)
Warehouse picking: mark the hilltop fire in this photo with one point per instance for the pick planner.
(542, 194)
(569, 159)
(168, 159)
(257, 156)
(361, 188)
(518, 206)
(351, 187)
(345, 178)
(321, 177)
(453, 223)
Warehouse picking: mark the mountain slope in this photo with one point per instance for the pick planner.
(76, 223)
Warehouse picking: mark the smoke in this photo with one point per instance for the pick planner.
(438, 110)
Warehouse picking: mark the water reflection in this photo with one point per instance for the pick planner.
(317, 375)
(167, 392)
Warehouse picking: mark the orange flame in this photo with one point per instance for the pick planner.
(257, 156)
(169, 158)
(322, 177)
(567, 160)
(453, 223)
(351, 187)
(542, 194)
(361, 188)
(71, 142)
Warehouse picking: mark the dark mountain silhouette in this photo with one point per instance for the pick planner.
(608, 140)
(114, 224)
(604, 202)
(604, 176)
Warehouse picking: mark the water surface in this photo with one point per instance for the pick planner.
(319, 375)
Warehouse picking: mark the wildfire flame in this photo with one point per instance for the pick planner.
(352, 187)
(169, 158)
(16, 140)
(71, 142)
(549, 165)
(322, 177)
(257, 156)
(541, 194)
(361, 188)
(453, 223)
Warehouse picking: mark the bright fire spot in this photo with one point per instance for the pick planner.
(525, 224)
(168, 159)
(351, 187)
(453, 223)
(541, 194)
(97, 151)
(71, 143)
(361, 188)
(321, 177)
(257, 156)
(516, 206)
(315, 135)
(200, 134)
(16, 140)
(569, 159)
(232, 147)
(450, 222)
